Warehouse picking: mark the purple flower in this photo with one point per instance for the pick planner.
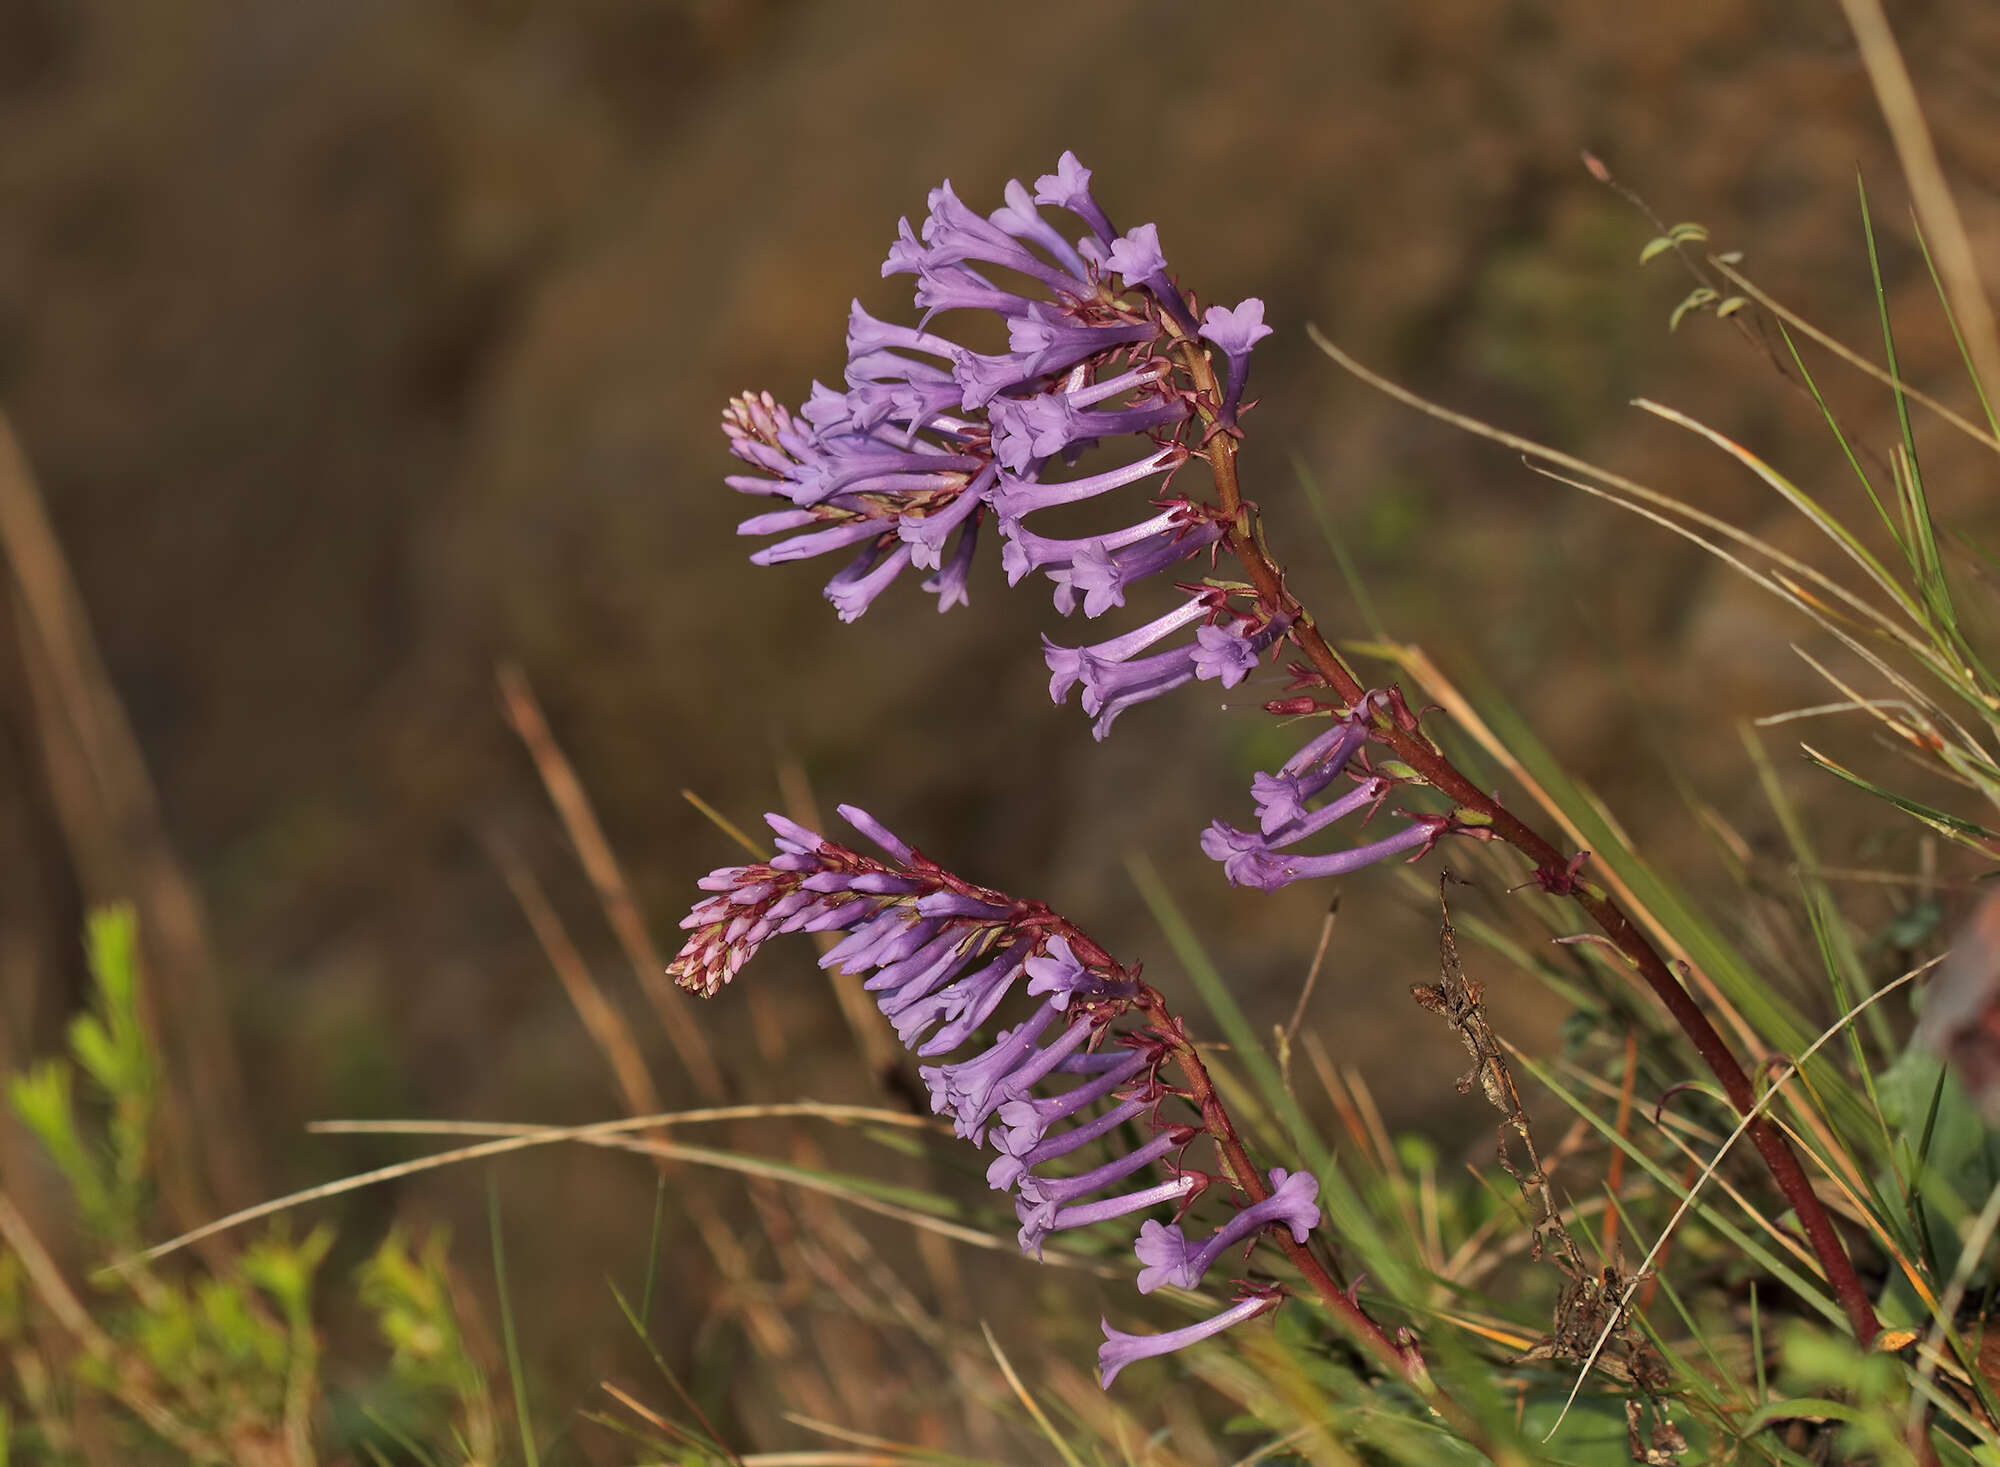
(1048, 1217)
(859, 478)
(1235, 331)
(940, 956)
(1114, 679)
(1047, 1205)
(1097, 576)
(1281, 797)
(1067, 664)
(1171, 1259)
(1254, 860)
(1069, 188)
(1137, 256)
(1016, 496)
(900, 468)
(1120, 1349)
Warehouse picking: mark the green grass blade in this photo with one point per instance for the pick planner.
(1363, 602)
(1808, 1290)
(1965, 832)
(1846, 448)
(1951, 316)
(515, 1375)
(1350, 1218)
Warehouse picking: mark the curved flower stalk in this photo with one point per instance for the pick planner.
(942, 955)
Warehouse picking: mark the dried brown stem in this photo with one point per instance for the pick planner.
(566, 792)
(121, 851)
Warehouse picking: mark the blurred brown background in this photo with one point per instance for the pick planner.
(358, 346)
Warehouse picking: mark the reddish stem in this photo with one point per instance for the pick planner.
(1360, 1326)
(1246, 542)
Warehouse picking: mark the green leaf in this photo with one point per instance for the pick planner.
(1658, 245)
(1700, 296)
(1965, 832)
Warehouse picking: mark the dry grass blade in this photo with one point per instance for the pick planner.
(1028, 1402)
(566, 792)
(118, 841)
(1937, 211)
(1743, 1124)
(1445, 693)
(614, 1134)
(607, 1026)
(1533, 450)
(1790, 493)
(512, 1139)
(1852, 357)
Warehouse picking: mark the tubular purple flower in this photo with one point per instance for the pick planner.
(1281, 797)
(1248, 860)
(866, 333)
(901, 983)
(1066, 664)
(926, 532)
(1136, 255)
(1100, 577)
(961, 288)
(802, 547)
(1009, 1166)
(1020, 218)
(1027, 1119)
(1042, 427)
(1039, 1191)
(1229, 654)
(1045, 1205)
(854, 590)
(954, 233)
(1236, 331)
(1051, 340)
(949, 583)
(1171, 1259)
(964, 1006)
(1056, 973)
(1109, 688)
(1120, 1349)
(973, 1089)
(1069, 188)
(1015, 496)
(1046, 1218)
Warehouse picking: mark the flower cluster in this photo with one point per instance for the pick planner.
(941, 954)
(1260, 857)
(931, 438)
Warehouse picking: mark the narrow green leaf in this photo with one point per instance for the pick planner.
(515, 1375)
(1951, 316)
(1965, 832)
(1349, 1215)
